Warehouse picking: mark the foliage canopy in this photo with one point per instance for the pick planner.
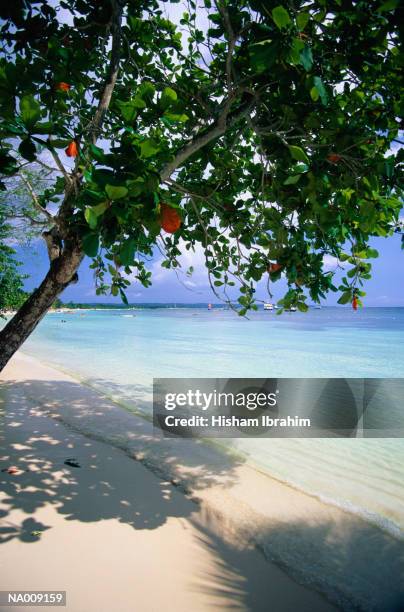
(267, 125)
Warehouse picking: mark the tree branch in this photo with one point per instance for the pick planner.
(105, 100)
(109, 84)
(31, 219)
(216, 130)
(232, 39)
(53, 243)
(42, 163)
(35, 199)
(57, 161)
(186, 192)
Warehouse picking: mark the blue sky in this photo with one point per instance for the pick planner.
(385, 289)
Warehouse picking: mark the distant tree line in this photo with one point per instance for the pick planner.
(12, 294)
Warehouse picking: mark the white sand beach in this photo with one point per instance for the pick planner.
(147, 523)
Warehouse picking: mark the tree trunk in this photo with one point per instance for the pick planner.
(61, 273)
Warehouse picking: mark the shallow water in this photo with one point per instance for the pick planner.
(120, 354)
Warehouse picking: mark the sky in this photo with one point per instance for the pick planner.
(385, 289)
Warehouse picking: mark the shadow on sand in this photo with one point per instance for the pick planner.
(97, 491)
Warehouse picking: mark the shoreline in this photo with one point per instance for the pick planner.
(281, 521)
(385, 524)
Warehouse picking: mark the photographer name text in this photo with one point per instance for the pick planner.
(264, 420)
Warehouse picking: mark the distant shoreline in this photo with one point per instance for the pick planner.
(175, 306)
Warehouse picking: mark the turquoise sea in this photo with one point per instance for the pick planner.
(120, 351)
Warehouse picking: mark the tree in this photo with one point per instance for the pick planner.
(12, 295)
(264, 137)
(57, 304)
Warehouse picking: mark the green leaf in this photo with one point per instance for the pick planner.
(146, 90)
(8, 165)
(27, 149)
(314, 93)
(63, 53)
(43, 128)
(318, 84)
(90, 217)
(139, 103)
(127, 252)
(148, 148)
(302, 20)
(281, 17)
(388, 6)
(60, 143)
(345, 298)
(116, 192)
(128, 110)
(168, 97)
(30, 111)
(306, 58)
(176, 117)
(102, 177)
(298, 154)
(91, 244)
(263, 55)
(97, 153)
(295, 49)
(99, 209)
(291, 180)
(300, 168)
(135, 187)
(123, 296)
(302, 306)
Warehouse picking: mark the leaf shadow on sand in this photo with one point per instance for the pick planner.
(98, 491)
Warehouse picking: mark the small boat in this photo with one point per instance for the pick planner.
(291, 309)
(268, 306)
(209, 306)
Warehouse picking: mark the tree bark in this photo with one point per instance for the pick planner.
(61, 273)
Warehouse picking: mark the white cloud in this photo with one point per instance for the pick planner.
(331, 263)
(188, 258)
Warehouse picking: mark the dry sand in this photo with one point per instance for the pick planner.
(181, 527)
(115, 535)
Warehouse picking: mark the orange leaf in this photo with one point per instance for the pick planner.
(170, 219)
(62, 86)
(274, 267)
(72, 149)
(334, 158)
